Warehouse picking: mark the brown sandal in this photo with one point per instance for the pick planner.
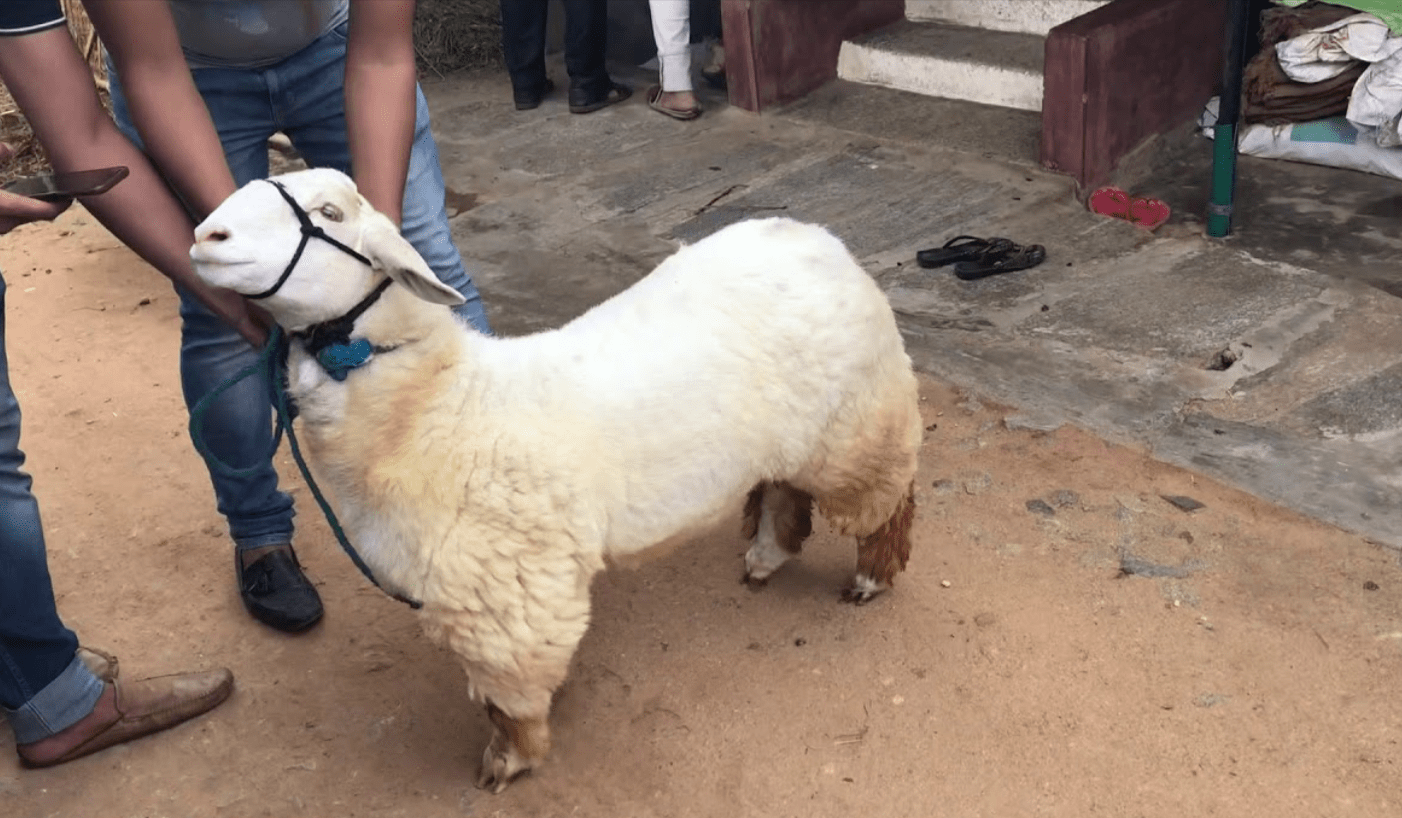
(654, 95)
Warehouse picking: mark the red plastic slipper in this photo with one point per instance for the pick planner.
(1110, 201)
(1149, 213)
(1117, 204)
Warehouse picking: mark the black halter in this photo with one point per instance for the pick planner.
(309, 231)
(337, 330)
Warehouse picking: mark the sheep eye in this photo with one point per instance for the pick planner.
(331, 212)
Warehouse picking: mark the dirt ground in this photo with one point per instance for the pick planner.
(1246, 664)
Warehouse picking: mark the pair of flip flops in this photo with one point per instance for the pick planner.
(974, 258)
(1117, 204)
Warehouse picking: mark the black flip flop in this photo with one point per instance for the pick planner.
(1019, 258)
(963, 248)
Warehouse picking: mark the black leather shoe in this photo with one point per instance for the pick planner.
(277, 593)
(583, 102)
(527, 99)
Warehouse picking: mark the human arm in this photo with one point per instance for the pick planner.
(165, 105)
(54, 88)
(381, 79)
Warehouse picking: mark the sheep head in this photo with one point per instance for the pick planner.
(249, 241)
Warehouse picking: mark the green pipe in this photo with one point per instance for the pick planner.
(1219, 206)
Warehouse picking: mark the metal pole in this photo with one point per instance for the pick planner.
(1219, 207)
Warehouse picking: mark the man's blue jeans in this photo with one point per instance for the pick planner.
(44, 687)
(304, 97)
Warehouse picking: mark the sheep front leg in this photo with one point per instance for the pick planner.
(517, 746)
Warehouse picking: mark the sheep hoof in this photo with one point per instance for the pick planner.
(863, 589)
(499, 770)
(754, 583)
(859, 595)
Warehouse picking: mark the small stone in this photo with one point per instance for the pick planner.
(1183, 502)
(977, 484)
(1065, 498)
(800, 642)
(1040, 508)
(944, 583)
(1370, 586)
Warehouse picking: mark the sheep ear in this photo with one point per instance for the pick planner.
(400, 261)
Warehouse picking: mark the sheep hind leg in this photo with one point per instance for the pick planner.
(778, 518)
(882, 554)
(517, 746)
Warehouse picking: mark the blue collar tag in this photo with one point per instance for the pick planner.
(339, 359)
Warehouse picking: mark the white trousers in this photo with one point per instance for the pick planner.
(671, 28)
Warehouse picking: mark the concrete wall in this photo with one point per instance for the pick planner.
(1124, 73)
(778, 50)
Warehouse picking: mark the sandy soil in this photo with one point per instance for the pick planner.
(1247, 665)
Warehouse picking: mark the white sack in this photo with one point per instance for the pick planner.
(1335, 142)
(1325, 52)
(1377, 99)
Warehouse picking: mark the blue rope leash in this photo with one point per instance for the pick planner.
(273, 361)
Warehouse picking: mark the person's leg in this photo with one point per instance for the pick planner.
(586, 44)
(44, 688)
(425, 220)
(58, 708)
(671, 29)
(238, 426)
(311, 97)
(523, 46)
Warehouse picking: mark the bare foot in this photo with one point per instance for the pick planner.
(678, 100)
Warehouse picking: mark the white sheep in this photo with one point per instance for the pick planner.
(490, 478)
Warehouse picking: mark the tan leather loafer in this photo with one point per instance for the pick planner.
(129, 710)
(100, 663)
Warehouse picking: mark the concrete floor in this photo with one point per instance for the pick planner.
(1119, 331)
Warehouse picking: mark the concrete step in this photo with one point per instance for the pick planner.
(952, 61)
(1026, 16)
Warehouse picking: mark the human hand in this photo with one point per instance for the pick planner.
(250, 320)
(16, 210)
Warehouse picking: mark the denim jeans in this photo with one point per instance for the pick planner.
(304, 97)
(44, 687)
